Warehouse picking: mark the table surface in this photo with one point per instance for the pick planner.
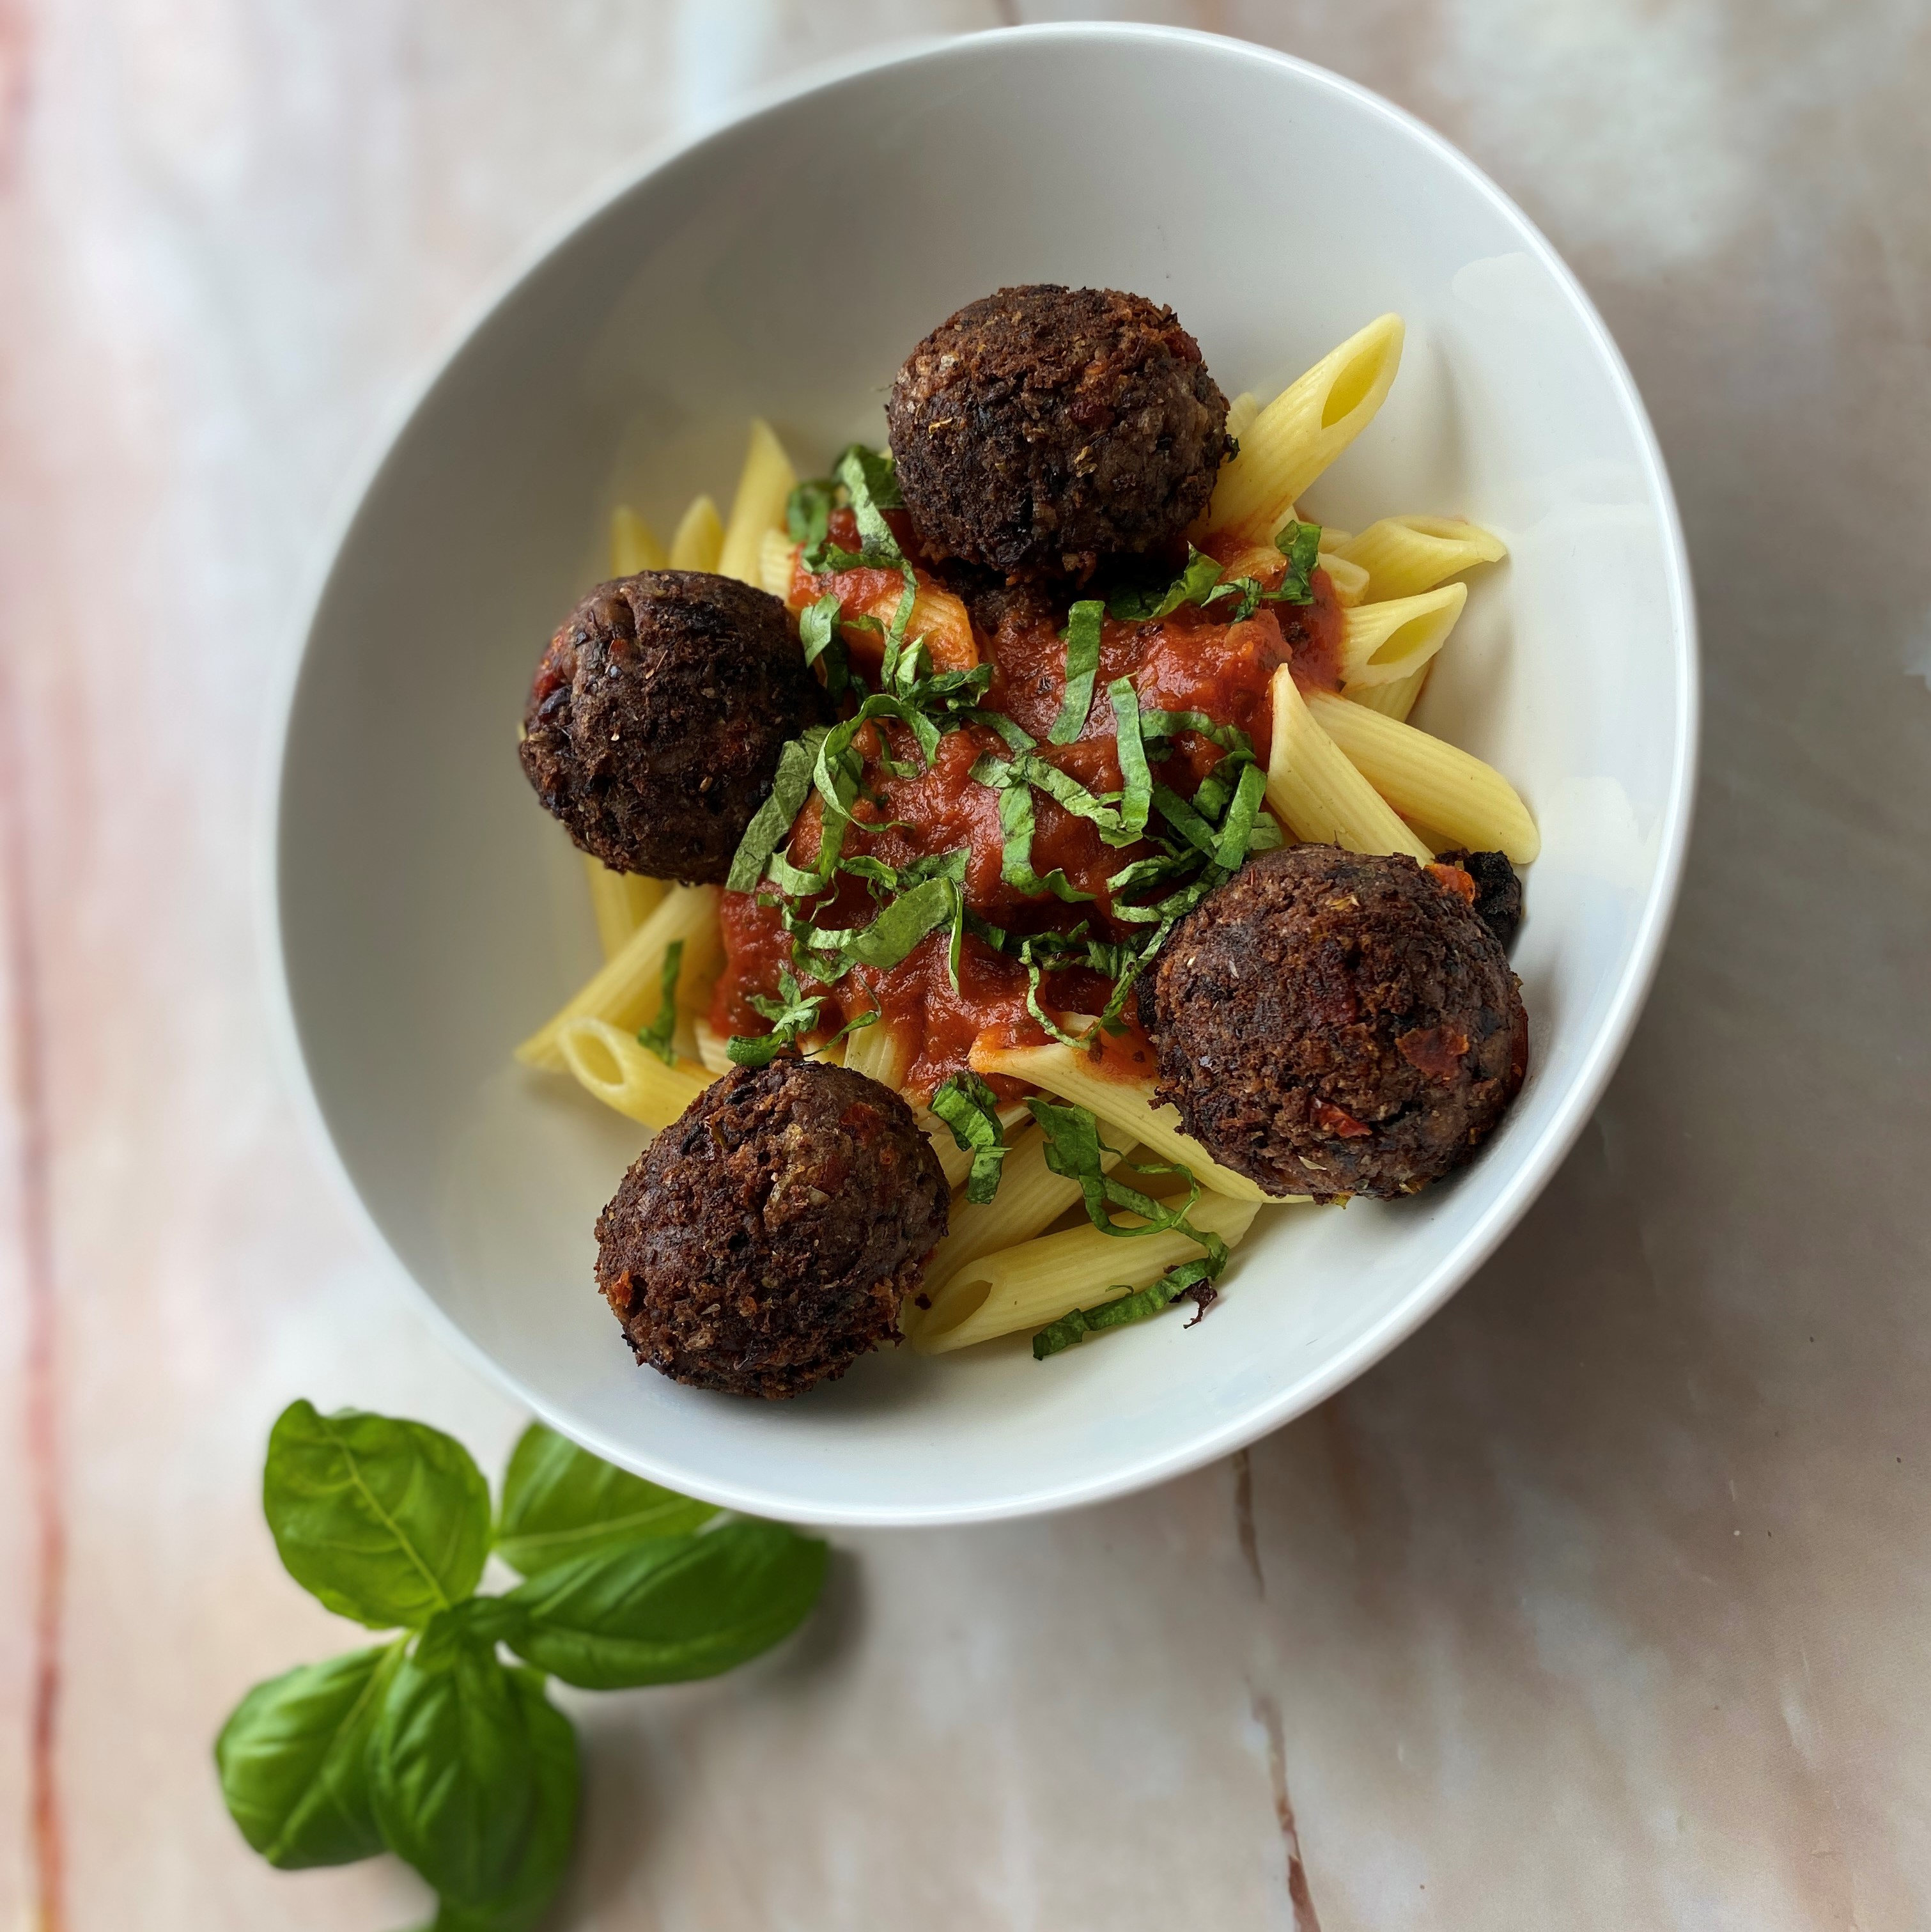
(1602, 1603)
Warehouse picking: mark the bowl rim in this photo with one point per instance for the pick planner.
(1452, 1268)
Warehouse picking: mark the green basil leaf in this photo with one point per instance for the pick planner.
(293, 1759)
(808, 511)
(771, 824)
(1137, 1307)
(454, 1772)
(386, 1521)
(673, 1608)
(657, 1035)
(970, 1109)
(1137, 792)
(818, 633)
(1015, 823)
(1236, 829)
(520, 1905)
(1184, 820)
(1047, 1023)
(1300, 544)
(790, 1016)
(559, 1501)
(900, 926)
(1083, 633)
(1158, 726)
(1133, 604)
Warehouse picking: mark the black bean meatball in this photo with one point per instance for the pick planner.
(657, 716)
(1499, 892)
(1332, 1023)
(764, 1240)
(1043, 428)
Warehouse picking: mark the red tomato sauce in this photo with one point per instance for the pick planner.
(1190, 660)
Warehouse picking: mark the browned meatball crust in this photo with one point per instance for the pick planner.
(1333, 1023)
(656, 718)
(765, 1240)
(1043, 428)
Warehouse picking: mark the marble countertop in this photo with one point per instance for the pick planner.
(1602, 1602)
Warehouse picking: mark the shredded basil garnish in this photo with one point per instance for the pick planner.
(657, 1035)
(1082, 635)
(1300, 544)
(1074, 1150)
(792, 1016)
(771, 824)
(1137, 794)
(808, 512)
(970, 1109)
(818, 632)
(1204, 582)
(1139, 604)
(1016, 823)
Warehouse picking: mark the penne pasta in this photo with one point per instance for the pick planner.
(1404, 556)
(1465, 801)
(1317, 793)
(1350, 580)
(621, 902)
(766, 481)
(1031, 1198)
(880, 1052)
(626, 992)
(1127, 1105)
(956, 1162)
(633, 545)
(1394, 699)
(1303, 431)
(1026, 1286)
(710, 1043)
(1381, 643)
(700, 537)
(1241, 412)
(939, 617)
(610, 1063)
(775, 556)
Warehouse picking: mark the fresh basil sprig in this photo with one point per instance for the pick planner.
(431, 1745)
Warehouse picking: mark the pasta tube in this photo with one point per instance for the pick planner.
(711, 1052)
(700, 538)
(1304, 430)
(766, 481)
(626, 992)
(1039, 1281)
(1468, 802)
(1127, 1105)
(1350, 580)
(633, 546)
(1395, 700)
(775, 556)
(1315, 791)
(1241, 412)
(880, 1051)
(1404, 556)
(1031, 1198)
(1380, 643)
(623, 1074)
(622, 901)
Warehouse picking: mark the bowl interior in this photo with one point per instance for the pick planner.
(430, 913)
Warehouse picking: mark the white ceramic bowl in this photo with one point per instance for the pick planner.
(428, 913)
